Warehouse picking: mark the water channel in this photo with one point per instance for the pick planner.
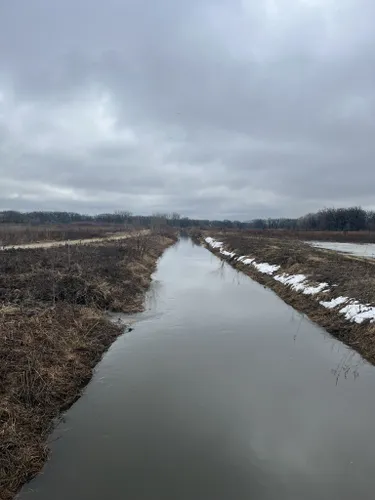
(221, 391)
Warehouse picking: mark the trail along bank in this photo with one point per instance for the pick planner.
(84, 241)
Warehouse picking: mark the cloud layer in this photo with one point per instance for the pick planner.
(220, 109)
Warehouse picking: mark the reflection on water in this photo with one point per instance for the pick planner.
(349, 365)
(221, 391)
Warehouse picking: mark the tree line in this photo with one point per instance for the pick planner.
(327, 219)
(119, 217)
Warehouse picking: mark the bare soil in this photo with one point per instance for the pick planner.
(53, 331)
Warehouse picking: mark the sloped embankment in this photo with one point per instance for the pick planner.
(335, 291)
(53, 331)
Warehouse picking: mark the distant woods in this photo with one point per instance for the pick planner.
(328, 219)
(124, 218)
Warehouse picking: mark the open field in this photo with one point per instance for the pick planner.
(339, 236)
(304, 235)
(82, 241)
(54, 329)
(19, 234)
(334, 290)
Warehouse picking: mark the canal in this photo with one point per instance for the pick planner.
(221, 391)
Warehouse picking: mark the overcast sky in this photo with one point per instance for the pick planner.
(211, 108)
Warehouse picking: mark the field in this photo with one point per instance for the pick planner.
(53, 330)
(18, 234)
(340, 236)
(344, 276)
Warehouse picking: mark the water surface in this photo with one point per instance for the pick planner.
(220, 392)
(366, 250)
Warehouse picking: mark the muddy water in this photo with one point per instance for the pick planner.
(221, 391)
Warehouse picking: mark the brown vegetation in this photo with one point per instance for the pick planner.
(18, 234)
(308, 235)
(353, 278)
(52, 333)
(339, 236)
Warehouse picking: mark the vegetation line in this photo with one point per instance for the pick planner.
(349, 220)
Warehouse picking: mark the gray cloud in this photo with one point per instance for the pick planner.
(224, 108)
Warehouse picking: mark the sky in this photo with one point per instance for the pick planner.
(217, 109)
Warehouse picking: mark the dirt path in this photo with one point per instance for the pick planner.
(50, 244)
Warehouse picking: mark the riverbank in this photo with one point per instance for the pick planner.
(334, 290)
(53, 331)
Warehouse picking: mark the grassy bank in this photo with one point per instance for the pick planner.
(306, 278)
(53, 330)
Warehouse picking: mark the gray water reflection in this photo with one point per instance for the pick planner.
(221, 391)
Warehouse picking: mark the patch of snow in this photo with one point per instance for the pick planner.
(213, 243)
(313, 290)
(334, 302)
(299, 284)
(265, 268)
(358, 312)
(248, 261)
(290, 279)
(227, 254)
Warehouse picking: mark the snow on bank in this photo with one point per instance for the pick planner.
(338, 301)
(299, 283)
(213, 243)
(262, 267)
(294, 280)
(353, 310)
(265, 268)
(358, 312)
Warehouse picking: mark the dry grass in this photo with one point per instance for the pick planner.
(294, 234)
(351, 277)
(45, 361)
(18, 234)
(53, 332)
